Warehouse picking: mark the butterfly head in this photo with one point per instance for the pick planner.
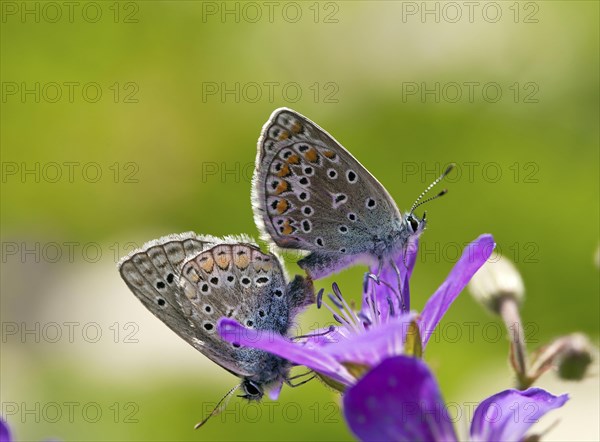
(414, 225)
(253, 390)
(271, 372)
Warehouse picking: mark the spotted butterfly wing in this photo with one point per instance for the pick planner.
(310, 193)
(190, 282)
(153, 274)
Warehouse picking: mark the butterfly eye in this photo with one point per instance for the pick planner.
(414, 224)
(252, 389)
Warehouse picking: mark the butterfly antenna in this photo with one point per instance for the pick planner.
(437, 180)
(442, 193)
(218, 408)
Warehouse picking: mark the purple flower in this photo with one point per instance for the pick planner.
(399, 400)
(5, 434)
(4, 431)
(378, 331)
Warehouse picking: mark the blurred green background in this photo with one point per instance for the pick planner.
(125, 121)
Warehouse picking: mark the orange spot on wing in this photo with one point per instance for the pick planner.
(285, 171)
(222, 257)
(283, 135)
(282, 187)
(241, 257)
(312, 155)
(297, 127)
(287, 228)
(293, 159)
(329, 154)
(190, 272)
(282, 206)
(206, 262)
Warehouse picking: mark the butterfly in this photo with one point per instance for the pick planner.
(190, 281)
(310, 193)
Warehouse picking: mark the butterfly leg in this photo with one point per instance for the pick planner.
(403, 302)
(373, 276)
(300, 383)
(396, 290)
(301, 375)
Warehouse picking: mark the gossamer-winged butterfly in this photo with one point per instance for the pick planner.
(310, 193)
(189, 282)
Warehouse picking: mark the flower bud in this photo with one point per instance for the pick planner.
(575, 357)
(495, 281)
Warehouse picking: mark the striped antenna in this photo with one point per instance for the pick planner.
(442, 193)
(218, 408)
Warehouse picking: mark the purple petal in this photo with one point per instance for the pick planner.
(326, 336)
(4, 431)
(368, 348)
(405, 261)
(509, 414)
(412, 250)
(274, 343)
(275, 390)
(398, 400)
(473, 257)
